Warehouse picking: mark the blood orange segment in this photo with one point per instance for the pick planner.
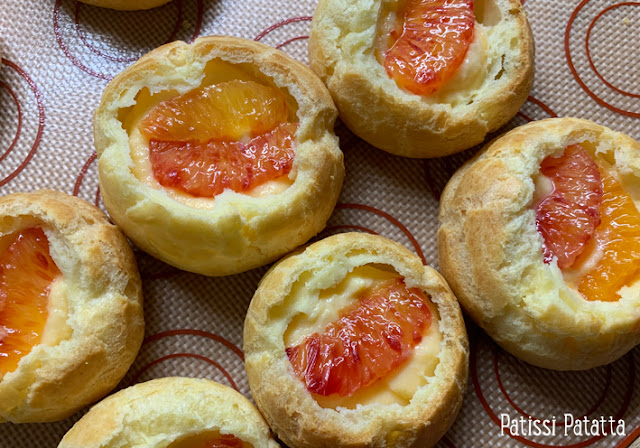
(567, 218)
(26, 274)
(211, 441)
(618, 238)
(366, 343)
(222, 441)
(226, 111)
(207, 169)
(434, 38)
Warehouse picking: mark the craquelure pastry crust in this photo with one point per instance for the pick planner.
(168, 412)
(487, 91)
(126, 5)
(96, 305)
(491, 253)
(290, 288)
(232, 232)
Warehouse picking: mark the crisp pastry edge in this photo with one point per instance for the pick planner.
(487, 239)
(299, 420)
(166, 409)
(105, 311)
(240, 232)
(398, 122)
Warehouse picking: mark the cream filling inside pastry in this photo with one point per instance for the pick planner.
(216, 71)
(56, 328)
(398, 386)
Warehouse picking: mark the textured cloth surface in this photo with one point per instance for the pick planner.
(58, 55)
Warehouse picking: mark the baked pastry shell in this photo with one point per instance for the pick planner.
(377, 110)
(126, 5)
(298, 420)
(240, 232)
(102, 295)
(164, 410)
(491, 253)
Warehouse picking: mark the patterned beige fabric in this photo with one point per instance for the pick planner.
(58, 55)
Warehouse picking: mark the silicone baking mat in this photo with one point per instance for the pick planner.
(57, 57)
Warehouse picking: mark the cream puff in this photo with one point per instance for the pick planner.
(539, 239)
(172, 413)
(365, 343)
(419, 78)
(71, 317)
(219, 156)
(126, 5)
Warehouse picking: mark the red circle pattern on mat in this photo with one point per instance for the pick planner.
(281, 24)
(392, 220)
(82, 46)
(510, 400)
(188, 332)
(72, 44)
(473, 370)
(81, 176)
(437, 172)
(574, 71)
(16, 140)
(81, 33)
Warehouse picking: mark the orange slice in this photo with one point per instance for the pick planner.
(227, 111)
(211, 441)
(233, 135)
(207, 169)
(434, 36)
(567, 218)
(26, 274)
(367, 343)
(223, 441)
(618, 238)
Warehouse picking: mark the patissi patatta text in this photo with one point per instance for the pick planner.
(568, 425)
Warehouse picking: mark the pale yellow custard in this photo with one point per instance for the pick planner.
(400, 385)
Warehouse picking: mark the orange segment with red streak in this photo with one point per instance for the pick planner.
(618, 238)
(233, 135)
(226, 111)
(588, 216)
(209, 440)
(207, 169)
(429, 43)
(567, 218)
(222, 441)
(26, 274)
(366, 343)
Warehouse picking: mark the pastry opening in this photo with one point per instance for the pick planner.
(589, 222)
(367, 339)
(33, 308)
(209, 439)
(236, 131)
(487, 12)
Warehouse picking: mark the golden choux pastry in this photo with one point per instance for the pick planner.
(71, 317)
(172, 413)
(219, 156)
(405, 85)
(352, 341)
(539, 239)
(126, 5)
